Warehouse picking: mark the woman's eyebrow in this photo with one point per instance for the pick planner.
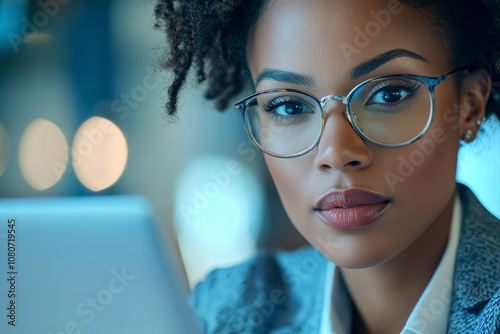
(286, 77)
(356, 73)
(374, 63)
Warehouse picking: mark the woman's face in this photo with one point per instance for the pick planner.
(325, 40)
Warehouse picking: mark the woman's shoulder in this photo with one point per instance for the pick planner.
(260, 292)
(480, 229)
(476, 297)
(263, 268)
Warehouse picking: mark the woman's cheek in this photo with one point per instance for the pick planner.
(289, 176)
(423, 173)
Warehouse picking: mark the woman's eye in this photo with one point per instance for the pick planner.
(389, 95)
(290, 108)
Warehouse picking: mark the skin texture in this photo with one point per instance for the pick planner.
(387, 265)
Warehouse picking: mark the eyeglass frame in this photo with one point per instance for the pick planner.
(429, 82)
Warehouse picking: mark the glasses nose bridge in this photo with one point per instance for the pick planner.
(340, 98)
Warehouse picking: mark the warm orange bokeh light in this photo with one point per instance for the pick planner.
(99, 153)
(43, 154)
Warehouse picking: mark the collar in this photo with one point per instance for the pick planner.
(336, 315)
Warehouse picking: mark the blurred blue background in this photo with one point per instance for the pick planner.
(81, 113)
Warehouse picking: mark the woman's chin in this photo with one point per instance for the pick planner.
(359, 264)
(360, 259)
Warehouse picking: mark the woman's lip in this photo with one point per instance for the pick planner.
(354, 217)
(349, 198)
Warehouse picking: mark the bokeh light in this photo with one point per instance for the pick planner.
(218, 213)
(38, 38)
(4, 149)
(99, 153)
(43, 154)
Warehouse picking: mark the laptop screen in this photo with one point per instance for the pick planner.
(88, 265)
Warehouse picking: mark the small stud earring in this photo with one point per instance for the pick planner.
(479, 121)
(468, 136)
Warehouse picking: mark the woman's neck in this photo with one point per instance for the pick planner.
(385, 295)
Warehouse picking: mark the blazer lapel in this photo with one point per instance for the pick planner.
(477, 268)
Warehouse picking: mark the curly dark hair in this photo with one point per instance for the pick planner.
(210, 37)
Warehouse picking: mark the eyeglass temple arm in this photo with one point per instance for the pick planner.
(240, 108)
(460, 69)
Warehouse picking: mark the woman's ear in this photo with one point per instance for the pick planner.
(474, 93)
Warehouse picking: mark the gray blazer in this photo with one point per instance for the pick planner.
(282, 292)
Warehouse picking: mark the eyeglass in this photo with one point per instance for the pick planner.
(386, 111)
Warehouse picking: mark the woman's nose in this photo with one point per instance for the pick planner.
(340, 147)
